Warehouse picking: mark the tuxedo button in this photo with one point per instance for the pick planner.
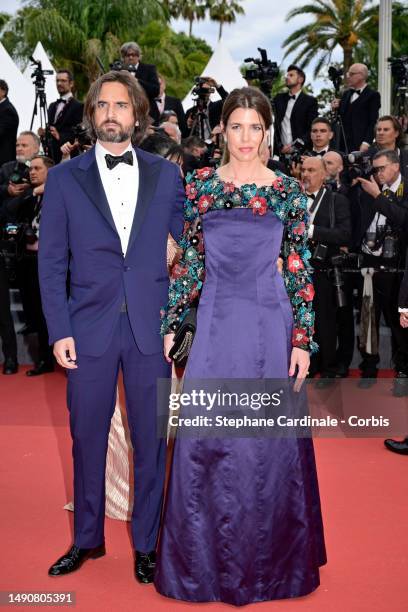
(127, 268)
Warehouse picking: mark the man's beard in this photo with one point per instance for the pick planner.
(110, 136)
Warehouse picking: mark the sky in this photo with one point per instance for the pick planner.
(263, 25)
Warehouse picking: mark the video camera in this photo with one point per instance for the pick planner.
(20, 174)
(199, 91)
(119, 65)
(81, 135)
(265, 72)
(335, 75)
(39, 74)
(13, 240)
(356, 164)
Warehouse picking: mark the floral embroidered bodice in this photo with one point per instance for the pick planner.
(207, 192)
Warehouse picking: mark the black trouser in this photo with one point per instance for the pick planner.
(27, 279)
(325, 307)
(345, 320)
(385, 296)
(7, 333)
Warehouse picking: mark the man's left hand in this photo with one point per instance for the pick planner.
(54, 132)
(371, 187)
(364, 146)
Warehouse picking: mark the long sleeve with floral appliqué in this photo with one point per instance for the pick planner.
(187, 275)
(296, 268)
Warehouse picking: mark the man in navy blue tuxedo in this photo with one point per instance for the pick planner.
(106, 216)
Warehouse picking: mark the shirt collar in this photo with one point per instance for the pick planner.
(394, 186)
(67, 96)
(100, 152)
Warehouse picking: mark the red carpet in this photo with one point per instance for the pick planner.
(364, 492)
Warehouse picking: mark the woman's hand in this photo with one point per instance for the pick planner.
(168, 341)
(301, 359)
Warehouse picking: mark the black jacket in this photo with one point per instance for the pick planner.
(304, 111)
(68, 118)
(174, 104)
(336, 234)
(8, 131)
(146, 74)
(359, 118)
(214, 109)
(403, 153)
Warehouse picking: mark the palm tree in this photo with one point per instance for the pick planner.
(224, 11)
(335, 22)
(77, 32)
(190, 10)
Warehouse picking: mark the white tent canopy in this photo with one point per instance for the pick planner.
(223, 69)
(51, 91)
(21, 93)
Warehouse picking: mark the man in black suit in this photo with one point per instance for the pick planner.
(212, 109)
(146, 74)
(358, 109)
(321, 135)
(389, 135)
(165, 102)
(63, 115)
(294, 112)
(8, 126)
(329, 229)
(384, 212)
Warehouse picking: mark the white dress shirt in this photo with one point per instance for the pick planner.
(286, 128)
(61, 105)
(356, 95)
(121, 185)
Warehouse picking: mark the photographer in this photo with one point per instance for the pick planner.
(294, 112)
(204, 87)
(8, 125)
(63, 115)
(389, 136)
(146, 74)
(358, 109)
(14, 175)
(384, 214)
(328, 231)
(26, 212)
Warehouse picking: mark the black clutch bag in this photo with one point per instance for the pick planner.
(184, 339)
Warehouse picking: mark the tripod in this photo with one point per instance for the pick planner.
(40, 108)
(201, 125)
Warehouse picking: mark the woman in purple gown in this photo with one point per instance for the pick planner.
(242, 520)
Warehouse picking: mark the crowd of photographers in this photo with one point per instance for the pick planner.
(352, 166)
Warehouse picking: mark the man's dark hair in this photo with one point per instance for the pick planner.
(66, 71)
(158, 143)
(4, 86)
(299, 71)
(322, 120)
(47, 160)
(390, 154)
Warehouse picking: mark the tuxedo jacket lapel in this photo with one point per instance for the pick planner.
(148, 178)
(87, 175)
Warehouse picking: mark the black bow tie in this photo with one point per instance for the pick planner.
(114, 160)
(61, 100)
(312, 196)
(292, 97)
(356, 91)
(321, 153)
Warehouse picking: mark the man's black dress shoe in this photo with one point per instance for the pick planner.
(366, 383)
(42, 367)
(400, 386)
(397, 447)
(74, 558)
(10, 366)
(145, 564)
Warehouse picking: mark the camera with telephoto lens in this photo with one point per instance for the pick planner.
(298, 150)
(20, 174)
(384, 238)
(81, 135)
(399, 70)
(357, 164)
(13, 239)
